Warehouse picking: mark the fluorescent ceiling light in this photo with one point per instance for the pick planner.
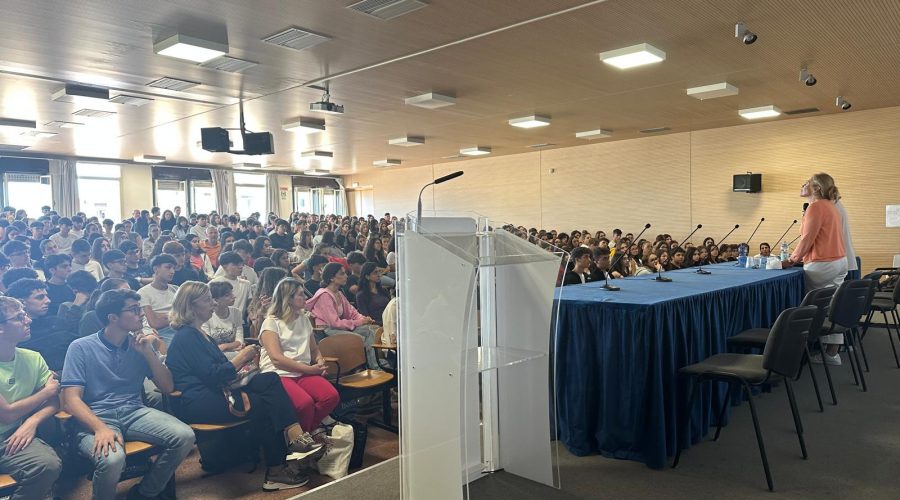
(39, 134)
(594, 134)
(80, 94)
(316, 171)
(304, 125)
(149, 158)
(190, 48)
(531, 121)
(431, 100)
(317, 155)
(247, 166)
(389, 162)
(13, 122)
(475, 151)
(769, 111)
(407, 141)
(630, 57)
(723, 89)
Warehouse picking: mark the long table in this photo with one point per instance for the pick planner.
(618, 354)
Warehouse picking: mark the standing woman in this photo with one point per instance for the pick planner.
(852, 267)
(202, 372)
(290, 350)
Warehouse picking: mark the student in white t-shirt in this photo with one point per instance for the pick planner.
(64, 238)
(290, 350)
(81, 259)
(158, 296)
(226, 326)
(233, 265)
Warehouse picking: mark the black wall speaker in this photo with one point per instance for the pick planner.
(747, 183)
(214, 139)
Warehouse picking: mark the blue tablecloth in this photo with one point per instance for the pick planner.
(618, 354)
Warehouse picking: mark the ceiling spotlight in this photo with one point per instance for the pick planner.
(304, 125)
(190, 49)
(630, 57)
(807, 77)
(531, 121)
(431, 100)
(475, 151)
(746, 36)
(149, 159)
(769, 111)
(388, 162)
(723, 89)
(590, 135)
(842, 103)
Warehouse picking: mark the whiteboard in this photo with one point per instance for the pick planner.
(892, 216)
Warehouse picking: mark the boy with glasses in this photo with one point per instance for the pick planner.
(114, 262)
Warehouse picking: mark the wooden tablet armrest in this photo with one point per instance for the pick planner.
(330, 359)
(390, 347)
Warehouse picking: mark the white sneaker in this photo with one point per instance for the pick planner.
(831, 360)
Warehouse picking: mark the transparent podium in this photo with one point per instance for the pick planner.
(475, 307)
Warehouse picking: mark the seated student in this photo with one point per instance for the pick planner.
(226, 325)
(102, 382)
(82, 284)
(233, 266)
(262, 298)
(650, 265)
(202, 373)
(663, 256)
(90, 323)
(317, 264)
(81, 259)
(623, 267)
(30, 399)
(282, 238)
(261, 264)
(58, 268)
(244, 249)
(290, 350)
(335, 313)
(114, 262)
(600, 269)
(184, 270)
(765, 250)
(580, 272)
(371, 299)
(17, 253)
(355, 261)
(64, 238)
(677, 261)
(50, 335)
(692, 257)
(134, 266)
(157, 297)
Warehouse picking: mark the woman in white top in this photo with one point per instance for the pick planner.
(852, 269)
(225, 327)
(290, 350)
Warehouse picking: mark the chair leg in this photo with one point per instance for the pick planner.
(722, 412)
(896, 316)
(759, 438)
(862, 350)
(797, 423)
(828, 375)
(868, 322)
(891, 336)
(693, 393)
(815, 381)
(849, 349)
(854, 334)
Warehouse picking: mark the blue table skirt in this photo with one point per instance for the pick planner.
(618, 354)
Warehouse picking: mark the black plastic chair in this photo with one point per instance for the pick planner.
(755, 338)
(781, 361)
(885, 305)
(850, 302)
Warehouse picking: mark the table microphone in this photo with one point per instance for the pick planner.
(683, 241)
(729, 233)
(614, 288)
(785, 234)
(754, 232)
(659, 277)
(795, 239)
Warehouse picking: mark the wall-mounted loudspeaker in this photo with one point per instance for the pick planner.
(747, 183)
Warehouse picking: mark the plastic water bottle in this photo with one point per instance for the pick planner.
(742, 256)
(784, 251)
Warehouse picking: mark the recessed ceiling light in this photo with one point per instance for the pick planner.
(590, 135)
(93, 113)
(389, 162)
(247, 166)
(62, 124)
(296, 38)
(630, 57)
(387, 9)
(228, 64)
(431, 100)
(316, 171)
(531, 121)
(317, 155)
(149, 159)
(723, 89)
(169, 83)
(407, 141)
(304, 125)
(80, 94)
(130, 100)
(14, 122)
(475, 151)
(39, 134)
(769, 111)
(190, 48)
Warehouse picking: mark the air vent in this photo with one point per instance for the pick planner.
(655, 130)
(11, 177)
(13, 147)
(542, 145)
(296, 38)
(452, 157)
(387, 9)
(93, 113)
(164, 185)
(169, 83)
(130, 100)
(228, 64)
(39, 134)
(802, 111)
(62, 124)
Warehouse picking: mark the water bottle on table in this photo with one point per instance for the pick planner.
(785, 254)
(742, 255)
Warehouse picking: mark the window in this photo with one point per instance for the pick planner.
(98, 190)
(203, 196)
(171, 194)
(250, 191)
(329, 205)
(28, 192)
(302, 200)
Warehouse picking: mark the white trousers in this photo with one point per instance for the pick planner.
(823, 274)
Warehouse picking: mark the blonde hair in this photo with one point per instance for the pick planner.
(182, 312)
(9, 304)
(824, 183)
(282, 298)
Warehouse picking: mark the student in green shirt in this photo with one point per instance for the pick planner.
(28, 395)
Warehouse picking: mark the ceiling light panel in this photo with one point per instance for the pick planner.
(431, 100)
(388, 162)
(531, 121)
(149, 158)
(407, 141)
(15, 122)
(62, 124)
(93, 113)
(634, 56)
(190, 48)
(130, 100)
(590, 135)
(296, 38)
(475, 151)
(80, 94)
(169, 83)
(316, 171)
(304, 125)
(228, 64)
(317, 155)
(769, 111)
(722, 89)
(39, 134)
(247, 166)
(387, 9)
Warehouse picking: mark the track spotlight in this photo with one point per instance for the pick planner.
(807, 77)
(746, 36)
(842, 103)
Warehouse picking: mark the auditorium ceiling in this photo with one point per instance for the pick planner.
(499, 58)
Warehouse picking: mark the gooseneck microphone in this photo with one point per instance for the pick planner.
(729, 233)
(659, 277)
(785, 234)
(684, 240)
(754, 232)
(439, 180)
(805, 206)
(614, 288)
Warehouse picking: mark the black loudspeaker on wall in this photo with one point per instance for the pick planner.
(747, 183)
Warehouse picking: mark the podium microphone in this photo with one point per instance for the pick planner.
(805, 206)
(754, 232)
(683, 241)
(439, 180)
(785, 234)
(729, 233)
(614, 288)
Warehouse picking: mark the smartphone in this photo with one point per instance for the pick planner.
(251, 341)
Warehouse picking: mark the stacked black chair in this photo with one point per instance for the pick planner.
(781, 360)
(851, 301)
(755, 338)
(886, 305)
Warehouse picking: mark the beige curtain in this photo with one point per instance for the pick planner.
(226, 199)
(272, 203)
(64, 186)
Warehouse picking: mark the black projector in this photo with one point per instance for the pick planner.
(258, 143)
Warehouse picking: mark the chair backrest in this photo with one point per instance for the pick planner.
(821, 298)
(349, 350)
(896, 295)
(787, 340)
(851, 300)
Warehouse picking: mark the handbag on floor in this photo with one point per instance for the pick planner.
(336, 461)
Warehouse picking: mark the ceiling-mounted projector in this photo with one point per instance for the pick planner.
(325, 105)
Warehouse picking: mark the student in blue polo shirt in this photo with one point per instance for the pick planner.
(102, 380)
